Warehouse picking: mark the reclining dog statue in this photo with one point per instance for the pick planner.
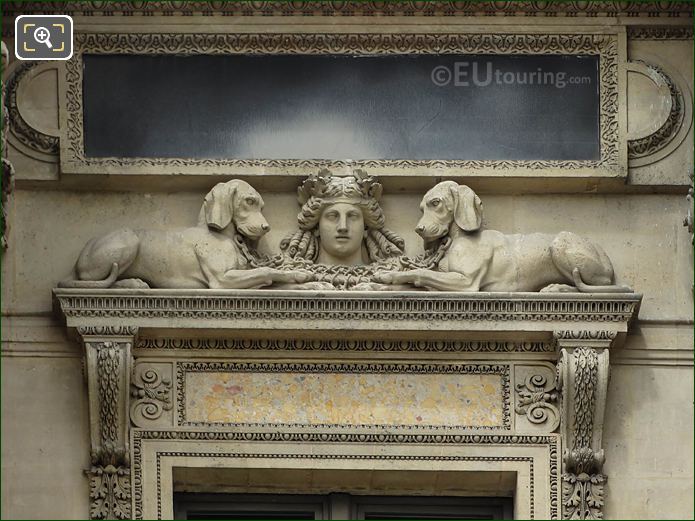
(217, 253)
(468, 259)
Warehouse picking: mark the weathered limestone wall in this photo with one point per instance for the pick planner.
(648, 437)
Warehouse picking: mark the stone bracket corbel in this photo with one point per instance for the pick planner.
(583, 373)
(108, 363)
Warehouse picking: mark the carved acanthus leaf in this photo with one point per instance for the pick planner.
(109, 492)
(582, 484)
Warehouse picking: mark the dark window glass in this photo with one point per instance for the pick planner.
(493, 107)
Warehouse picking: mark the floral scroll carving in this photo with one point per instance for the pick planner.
(537, 397)
(151, 394)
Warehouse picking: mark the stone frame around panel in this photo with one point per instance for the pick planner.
(212, 445)
(607, 43)
(502, 369)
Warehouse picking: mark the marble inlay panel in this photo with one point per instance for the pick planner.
(331, 398)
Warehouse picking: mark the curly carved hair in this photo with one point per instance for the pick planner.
(322, 190)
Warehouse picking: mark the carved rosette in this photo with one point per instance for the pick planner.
(583, 372)
(108, 367)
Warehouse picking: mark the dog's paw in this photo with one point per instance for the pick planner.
(131, 284)
(559, 288)
(367, 286)
(386, 277)
(316, 285)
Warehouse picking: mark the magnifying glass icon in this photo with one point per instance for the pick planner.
(43, 35)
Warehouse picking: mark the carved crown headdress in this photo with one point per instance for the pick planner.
(349, 189)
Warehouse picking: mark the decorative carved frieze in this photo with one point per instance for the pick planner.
(358, 8)
(671, 32)
(108, 367)
(341, 344)
(583, 372)
(151, 395)
(354, 310)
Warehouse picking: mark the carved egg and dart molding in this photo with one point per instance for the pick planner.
(340, 220)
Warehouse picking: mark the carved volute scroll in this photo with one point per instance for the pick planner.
(108, 355)
(583, 372)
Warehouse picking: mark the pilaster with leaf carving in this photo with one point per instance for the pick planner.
(108, 356)
(583, 372)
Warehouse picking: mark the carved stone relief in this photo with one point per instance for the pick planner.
(151, 395)
(108, 363)
(583, 373)
(537, 398)
(218, 253)
(460, 257)
(342, 243)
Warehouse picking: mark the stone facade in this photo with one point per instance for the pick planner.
(336, 342)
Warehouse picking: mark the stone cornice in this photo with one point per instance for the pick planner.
(347, 311)
(352, 8)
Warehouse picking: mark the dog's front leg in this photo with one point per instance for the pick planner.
(260, 277)
(435, 280)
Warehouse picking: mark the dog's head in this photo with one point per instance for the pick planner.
(238, 202)
(447, 203)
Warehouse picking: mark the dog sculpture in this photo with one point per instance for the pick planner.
(209, 255)
(489, 260)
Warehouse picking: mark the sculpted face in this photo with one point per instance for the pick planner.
(341, 228)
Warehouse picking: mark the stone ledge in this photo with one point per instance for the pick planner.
(234, 310)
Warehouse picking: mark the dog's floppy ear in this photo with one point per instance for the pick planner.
(218, 205)
(468, 211)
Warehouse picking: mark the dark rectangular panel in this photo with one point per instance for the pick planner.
(483, 107)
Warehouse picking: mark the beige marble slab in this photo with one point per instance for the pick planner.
(397, 399)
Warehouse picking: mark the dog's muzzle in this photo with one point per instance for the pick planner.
(253, 229)
(430, 231)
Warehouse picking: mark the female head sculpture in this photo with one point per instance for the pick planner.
(339, 215)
